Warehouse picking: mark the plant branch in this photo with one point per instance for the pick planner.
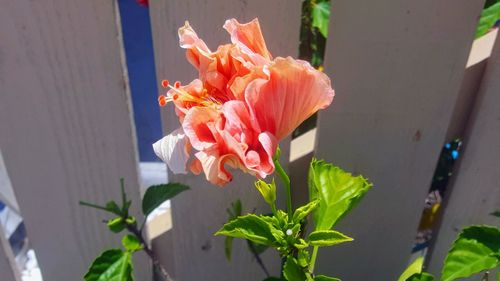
(313, 259)
(95, 206)
(156, 263)
(286, 180)
(258, 259)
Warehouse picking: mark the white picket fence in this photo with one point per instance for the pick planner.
(403, 86)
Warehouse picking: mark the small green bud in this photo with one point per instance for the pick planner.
(268, 191)
(116, 225)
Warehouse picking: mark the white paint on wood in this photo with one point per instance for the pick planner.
(65, 126)
(396, 68)
(482, 47)
(190, 248)
(475, 190)
(480, 51)
(302, 145)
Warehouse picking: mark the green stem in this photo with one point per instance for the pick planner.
(286, 180)
(95, 206)
(313, 259)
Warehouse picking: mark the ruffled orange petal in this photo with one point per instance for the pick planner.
(293, 92)
(248, 37)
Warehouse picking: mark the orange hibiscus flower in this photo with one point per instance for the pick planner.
(242, 104)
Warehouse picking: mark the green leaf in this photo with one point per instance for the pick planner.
(305, 210)
(113, 208)
(292, 271)
(157, 194)
(131, 221)
(496, 214)
(423, 276)
(303, 258)
(112, 265)
(267, 190)
(327, 238)
(258, 229)
(484, 234)
(488, 18)
(321, 16)
(325, 278)
(301, 244)
(414, 267)
(337, 190)
(131, 243)
(476, 249)
(116, 225)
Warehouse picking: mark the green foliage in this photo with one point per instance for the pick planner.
(333, 193)
(292, 271)
(496, 214)
(337, 190)
(488, 18)
(157, 194)
(304, 211)
(321, 16)
(131, 243)
(414, 268)
(117, 225)
(115, 264)
(477, 248)
(327, 238)
(258, 229)
(112, 265)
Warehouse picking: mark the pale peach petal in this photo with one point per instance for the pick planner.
(248, 37)
(269, 145)
(197, 49)
(294, 91)
(172, 149)
(238, 120)
(214, 166)
(199, 126)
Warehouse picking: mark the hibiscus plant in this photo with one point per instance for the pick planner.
(243, 103)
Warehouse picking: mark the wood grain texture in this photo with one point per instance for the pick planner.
(475, 190)
(65, 126)
(190, 250)
(396, 68)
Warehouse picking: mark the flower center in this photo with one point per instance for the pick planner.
(186, 98)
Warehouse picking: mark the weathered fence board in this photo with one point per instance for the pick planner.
(65, 123)
(8, 266)
(475, 191)
(190, 250)
(396, 68)
(478, 58)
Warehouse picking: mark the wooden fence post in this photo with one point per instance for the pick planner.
(8, 266)
(65, 127)
(190, 247)
(475, 192)
(396, 68)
